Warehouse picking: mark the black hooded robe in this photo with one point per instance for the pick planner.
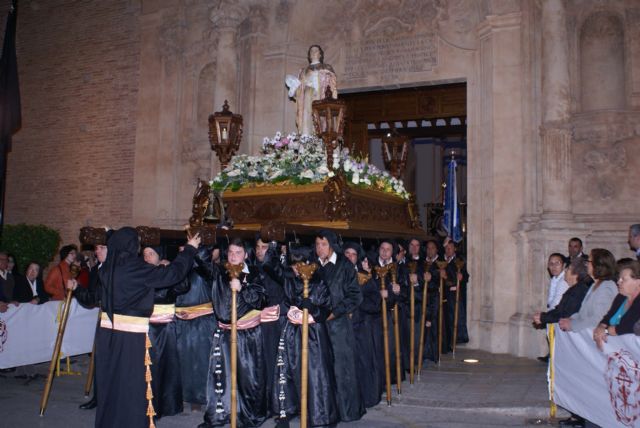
(167, 381)
(128, 289)
(322, 407)
(251, 374)
(195, 335)
(345, 298)
(367, 327)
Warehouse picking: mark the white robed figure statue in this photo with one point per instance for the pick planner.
(311, 85)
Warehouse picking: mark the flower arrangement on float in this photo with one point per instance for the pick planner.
(301, 159)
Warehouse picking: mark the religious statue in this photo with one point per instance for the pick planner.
(311, 85)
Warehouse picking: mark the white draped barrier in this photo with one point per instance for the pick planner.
(28, 332)
(603, 387)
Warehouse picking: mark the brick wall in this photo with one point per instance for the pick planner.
(72, 162)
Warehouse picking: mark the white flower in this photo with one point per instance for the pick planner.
(322, 170)
(347, 165)
(253, 173)
(234, 173)
(306, 174)
(331, 174)
(278, 135)
(355, 179)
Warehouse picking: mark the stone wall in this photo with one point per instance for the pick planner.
(72, 162)
(116, 97)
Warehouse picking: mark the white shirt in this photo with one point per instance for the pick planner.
(331, 259)
(33, 287)
(557, 287)
(432, 260)
(383, 263)
(3, 274)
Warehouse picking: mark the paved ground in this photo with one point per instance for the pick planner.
(499, 391)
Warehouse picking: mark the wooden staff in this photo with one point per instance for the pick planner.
(413, 267)
(396, 331)
(423, 318)
(55, 357)
(234, 272)
(92, 362)
(382, 271)
(306, 272)
(442, 265)
(459, 265)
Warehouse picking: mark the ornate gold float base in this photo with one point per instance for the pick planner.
(333, 204)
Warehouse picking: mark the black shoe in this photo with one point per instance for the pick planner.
(572, 422)
(91, 404)
(545, 360)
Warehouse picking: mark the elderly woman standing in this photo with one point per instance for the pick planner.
(625, 309)
(602, 268)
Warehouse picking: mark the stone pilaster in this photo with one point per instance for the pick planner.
(226, 18)
(555, 137)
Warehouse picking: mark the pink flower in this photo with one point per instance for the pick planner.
(285, 141)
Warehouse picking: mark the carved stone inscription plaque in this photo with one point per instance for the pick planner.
(390, 56)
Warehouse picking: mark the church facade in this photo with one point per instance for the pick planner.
(116, 98)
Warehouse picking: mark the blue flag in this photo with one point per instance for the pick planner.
(451, 219)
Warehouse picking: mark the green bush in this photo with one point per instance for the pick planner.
(28, 242)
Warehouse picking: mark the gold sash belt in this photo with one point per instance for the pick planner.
(126, 323)
(163, 314)
(191, 312)
(250, 320)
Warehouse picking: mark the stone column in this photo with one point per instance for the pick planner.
(555, 133)
(226, 18)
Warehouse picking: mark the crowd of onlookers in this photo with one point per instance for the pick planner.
(19, 286)
(593, 291)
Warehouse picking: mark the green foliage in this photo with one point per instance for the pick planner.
(28, 242)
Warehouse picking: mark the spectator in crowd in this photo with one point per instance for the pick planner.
(625, 309)
(575, 249)
(578, 280)
(30, 288)
(55, 282)
(556, 265)
(602, 268)
(12, 266)
(557, 285)
(7, 283)
(634, 239)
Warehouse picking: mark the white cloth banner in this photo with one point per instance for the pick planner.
(601, 386)
(28, 332)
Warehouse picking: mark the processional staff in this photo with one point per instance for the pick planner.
(234, 273)
(442, 265)
(423, 315)
(459, 265)
(306, 272)
(382, 272)
(55, 357)
(92, 362)
(413, 267)
(396, 330)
